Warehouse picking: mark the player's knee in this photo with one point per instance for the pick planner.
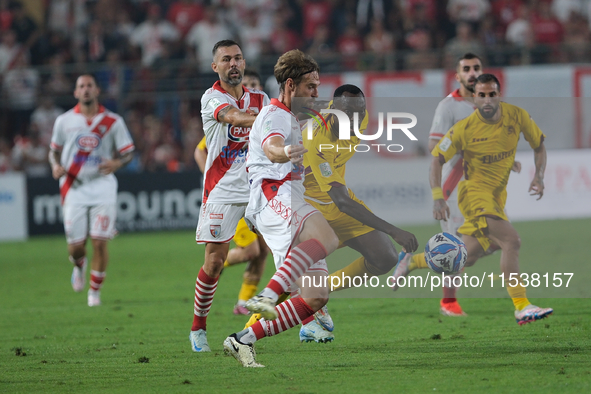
(317, 303)
(513, 244)
(380, 262)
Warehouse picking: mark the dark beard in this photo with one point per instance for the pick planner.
(235, 81)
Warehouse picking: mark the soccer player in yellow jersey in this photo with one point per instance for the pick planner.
(352, 221)
(488, 139)
(249, 247)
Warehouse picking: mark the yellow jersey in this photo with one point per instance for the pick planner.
(324, 163)
(489, 147)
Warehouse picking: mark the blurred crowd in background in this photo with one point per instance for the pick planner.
(152, 59)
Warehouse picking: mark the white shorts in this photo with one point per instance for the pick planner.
(280, 222)
(97, 221)
(455, 220)
(217, 222)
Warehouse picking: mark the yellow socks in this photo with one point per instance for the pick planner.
(356, 268)
(518, 297)
(255, 317)
(418, 261)
(247, 291)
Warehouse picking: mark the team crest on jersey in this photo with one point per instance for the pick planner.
(325, 169)
(510, 130)
(88, 142)
(238, 134)
(214, 103)
(215, 230)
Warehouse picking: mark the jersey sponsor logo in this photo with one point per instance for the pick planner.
(479, 139)
(88, 160)
(267, 127)
(215, 230)
(238, 134)
(490, 159)
(232, 156)
(87, 143)
(445, 144)
(510, 130)
(325, 169)
(216, 216)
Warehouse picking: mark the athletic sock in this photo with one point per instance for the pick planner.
(356, 268)
(247, 291)
(296, 263)
(291, 313)
(518, 297)
(449, 290)
(205, 287)
(96, 280)
(255, 317)
(417, 261)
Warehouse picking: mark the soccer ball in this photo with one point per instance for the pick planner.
(445, 253)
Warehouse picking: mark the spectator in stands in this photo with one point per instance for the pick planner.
(5, 156)
(577, 39)
(59, 84)
(9, 49)
(379, 42)
(368, 10)
(563, 9)
(470, 11)
(114, 80)
(463, 42)
(252, 34)
(5, 15)
(151, 35)
(350, 46)
(125, 26)
(20, 89)
(167, 101)
(315, 13)
(25, 28)
(30, 154)
(519, 31)
(205, 32)
(67, 16)
(44, 116)
(320, 44)
(505, 12)
(422, 56)
(547, 29)
(283, 38)
(97, 43)
(184, 14)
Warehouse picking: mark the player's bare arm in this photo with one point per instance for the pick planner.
(537, 184)
(440, 208)
(235, 117)
(57, 171)
(276, 151)
(432, 144)
(340, 196)
(110, 166)
(516, 166)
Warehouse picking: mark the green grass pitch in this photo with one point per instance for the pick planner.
(52, 342)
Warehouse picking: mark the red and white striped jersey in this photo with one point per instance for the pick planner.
(450, 110)
(84, 144)
(225, 180)
(268, 179)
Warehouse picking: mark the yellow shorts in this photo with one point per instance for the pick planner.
(344, 226)
(243, 236)
(475, 206)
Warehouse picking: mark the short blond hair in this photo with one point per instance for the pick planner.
(293, 64)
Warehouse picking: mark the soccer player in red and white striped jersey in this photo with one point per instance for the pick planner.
(84, 143)
(297, 234)
(228, 110)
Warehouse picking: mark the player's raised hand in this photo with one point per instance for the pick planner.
(57, 171)
(537, 187)
(405, 239)
(440, 210)
(109, 166)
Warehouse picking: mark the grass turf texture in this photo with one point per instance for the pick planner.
(50, 341)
